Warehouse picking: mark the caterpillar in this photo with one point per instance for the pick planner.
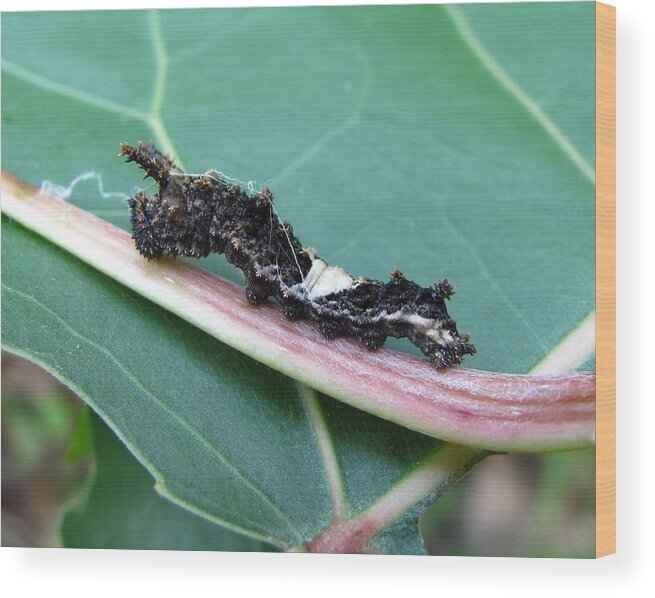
(195, 215)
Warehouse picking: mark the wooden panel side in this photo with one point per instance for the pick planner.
(605, 279)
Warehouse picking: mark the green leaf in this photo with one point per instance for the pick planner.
(122, 510)
(389, 140)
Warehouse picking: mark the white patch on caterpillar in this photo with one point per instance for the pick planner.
(323, 280)
(429, 326)
(440, 336)
(415, 320)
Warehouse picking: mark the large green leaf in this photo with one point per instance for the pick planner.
(389, 139)
(123, 510)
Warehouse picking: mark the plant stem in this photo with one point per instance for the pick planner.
(428, 481)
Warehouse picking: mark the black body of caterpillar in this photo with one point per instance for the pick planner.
(196, 215)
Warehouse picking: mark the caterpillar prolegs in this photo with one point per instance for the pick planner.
(195, 215)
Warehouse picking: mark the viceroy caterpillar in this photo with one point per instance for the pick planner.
(195, 215)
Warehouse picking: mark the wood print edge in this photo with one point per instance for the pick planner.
(605, 279)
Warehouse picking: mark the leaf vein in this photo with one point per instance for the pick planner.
(348, 123)
(518, 93)
(79, 95)
(327, 450)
